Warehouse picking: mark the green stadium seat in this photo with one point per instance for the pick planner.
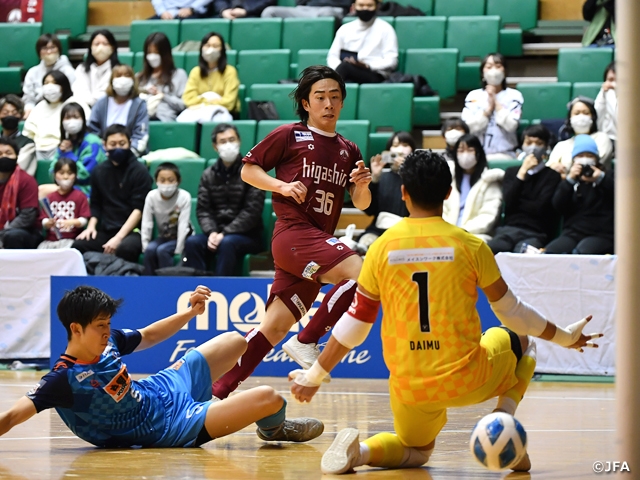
(246, 130)
(256, 34)
(426, 111)
(307, 33)
(65, 17)
(10, 80)
(586, 89)
(20, 44)
(543, 101)
(426, 6)
(64, 41)
(458, 8)
(194, 217)
(286, 3)
(523, 13)
(191, 59)
(140, 30)
(178, 59)
(172, 134)
(378, 143)
(386, 105)
(279, 95)
(42, 172)
(197, 29)
(473, 36)
(265, 127)
(439, 66)
(503, 164)
(263, 66)
(583, 64)
(350, 107)
(420, 32)
(358, 132)
(510, 42)
(522, 126)
(469, 76)
(307, 58)
(126, 58)
(190, 170)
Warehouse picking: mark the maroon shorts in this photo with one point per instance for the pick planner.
(301, 254)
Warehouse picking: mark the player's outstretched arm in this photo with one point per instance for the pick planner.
(21, 411)
(167, 327)
(351, 330)
(523, 319)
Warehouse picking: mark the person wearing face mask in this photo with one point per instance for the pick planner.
(606, 104)
(43, 124)
(476, 194)
(123, 106)
(179, 9)
(527, 190)
(11, 111)
(493, 111)
(93, 75)
(49, 50)
(581, 119)
(119, 187)
(452, 130)
(365, 50)
(68, 206)
(212, 88)
(170, 207)
(18, 201)
(586, 201)
(229, 210)
(161, 83)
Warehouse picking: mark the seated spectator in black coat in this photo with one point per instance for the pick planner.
(586, 201)
(119, 187)
(527, 191)
(233, 9)
(11, 111)
(229, 210)
(18, 201)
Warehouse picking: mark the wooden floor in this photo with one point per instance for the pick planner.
(570, 426)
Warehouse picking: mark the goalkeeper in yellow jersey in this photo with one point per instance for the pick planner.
(425, 272)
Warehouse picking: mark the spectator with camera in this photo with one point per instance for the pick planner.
(527, 191)
(586, 201)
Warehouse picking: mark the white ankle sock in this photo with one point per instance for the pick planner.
(365, 455)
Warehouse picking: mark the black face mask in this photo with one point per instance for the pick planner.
(119, 156)
(10, 123)
(8, 165)
(365, 15)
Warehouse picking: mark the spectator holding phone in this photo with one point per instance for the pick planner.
(586, 201)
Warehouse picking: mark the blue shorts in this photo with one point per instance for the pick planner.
(185, 389)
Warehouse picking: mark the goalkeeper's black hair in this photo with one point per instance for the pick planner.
(426, 178)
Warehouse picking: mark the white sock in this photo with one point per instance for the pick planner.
(365, 455)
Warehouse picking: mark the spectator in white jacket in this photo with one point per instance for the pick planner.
(364, 50)
(476, 194)
(49, 50)
(493, 111)
(607, 104)
(93, 76)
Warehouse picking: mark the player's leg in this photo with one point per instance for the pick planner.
(223, 352)
(265, 407)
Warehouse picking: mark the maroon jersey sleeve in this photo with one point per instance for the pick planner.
(272, 150)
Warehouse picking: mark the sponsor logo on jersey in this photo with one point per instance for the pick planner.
(303, 136)
(420, 255)
(84, 375)
(298, 303)
(176, 366)
(344, 154)
(35, 388)
(119, 385)
(332, 241)
(310, 269)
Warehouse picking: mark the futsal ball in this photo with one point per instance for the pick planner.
(498, 441)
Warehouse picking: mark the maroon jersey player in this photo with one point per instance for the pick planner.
(314, 166)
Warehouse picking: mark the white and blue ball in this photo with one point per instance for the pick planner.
(498, 441)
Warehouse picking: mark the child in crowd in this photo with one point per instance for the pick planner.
(170, 206)
(69, 207)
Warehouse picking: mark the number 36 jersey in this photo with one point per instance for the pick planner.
(426, 272)
(321, 162)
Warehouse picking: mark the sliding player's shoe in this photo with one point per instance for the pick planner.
(294, 430)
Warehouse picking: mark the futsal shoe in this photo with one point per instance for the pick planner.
(304, 354)
(523, 465)
(343, 454)
(294, 430)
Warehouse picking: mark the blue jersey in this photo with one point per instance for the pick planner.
(102, 405)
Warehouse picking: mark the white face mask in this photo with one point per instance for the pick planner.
(401, 150)
(50, 58)
(72, 126)
(210, 54)
(494, 76)
(154, 59)
(66, 184)
(101, 52)
(581, 123)
(122, 85)
(467, 160)
(229, 152)
(529, 149)
(452, 136)
(167, 189)
(52, 92)
(584, 160)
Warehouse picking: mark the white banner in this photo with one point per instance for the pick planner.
(25, 298)
(566, 288)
